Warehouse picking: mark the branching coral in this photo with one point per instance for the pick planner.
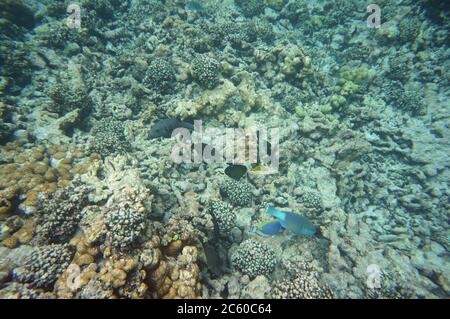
(254, 258)
(7, 126)
(59, 213)
(70, 92)
(125, 218)
(43, 266)
(405, 100)
(205, 70)
(16, 290)
(160, 75)
(108, 138)
(238, 193)
(262, 30)
(224, 216)
(312, 200)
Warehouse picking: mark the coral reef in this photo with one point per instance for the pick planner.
(254, 258)
(60, 213)
(92, 204)
(7, 126)
(312, 200)
(125, 218)
(251, 7)
(108, 137)
(302, 282)
(43, 266)
(237, 193)
(205, 70)
(160, 75)
(224, 216)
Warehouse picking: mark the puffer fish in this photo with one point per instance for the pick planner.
(269, 228)
(295, 223)
(165, 127)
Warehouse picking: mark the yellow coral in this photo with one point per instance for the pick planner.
(28, 172)
(178, 278)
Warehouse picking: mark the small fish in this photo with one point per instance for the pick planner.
(269, 228)
(260, 169)
(165, 127)
(235, 171)
(295, 223)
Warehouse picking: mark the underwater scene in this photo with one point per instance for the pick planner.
(224, 149)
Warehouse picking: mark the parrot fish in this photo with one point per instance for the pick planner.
(269, 228)
(295, 223)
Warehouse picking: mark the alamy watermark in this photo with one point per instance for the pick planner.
(373, 273)
(73, 21)
(374, 19)
(227, 145)
(73, 277)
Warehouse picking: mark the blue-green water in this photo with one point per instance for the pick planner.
(224, 149)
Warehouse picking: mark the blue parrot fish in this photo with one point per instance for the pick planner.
(295, 223)
(269, 228)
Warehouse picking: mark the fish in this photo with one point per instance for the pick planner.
(235, 171)
(165, 127)
(295, 223)
(260, 169)
(269, 228)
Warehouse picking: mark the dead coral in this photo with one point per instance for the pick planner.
(191, 222)
(301, 282)
(177, 278)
